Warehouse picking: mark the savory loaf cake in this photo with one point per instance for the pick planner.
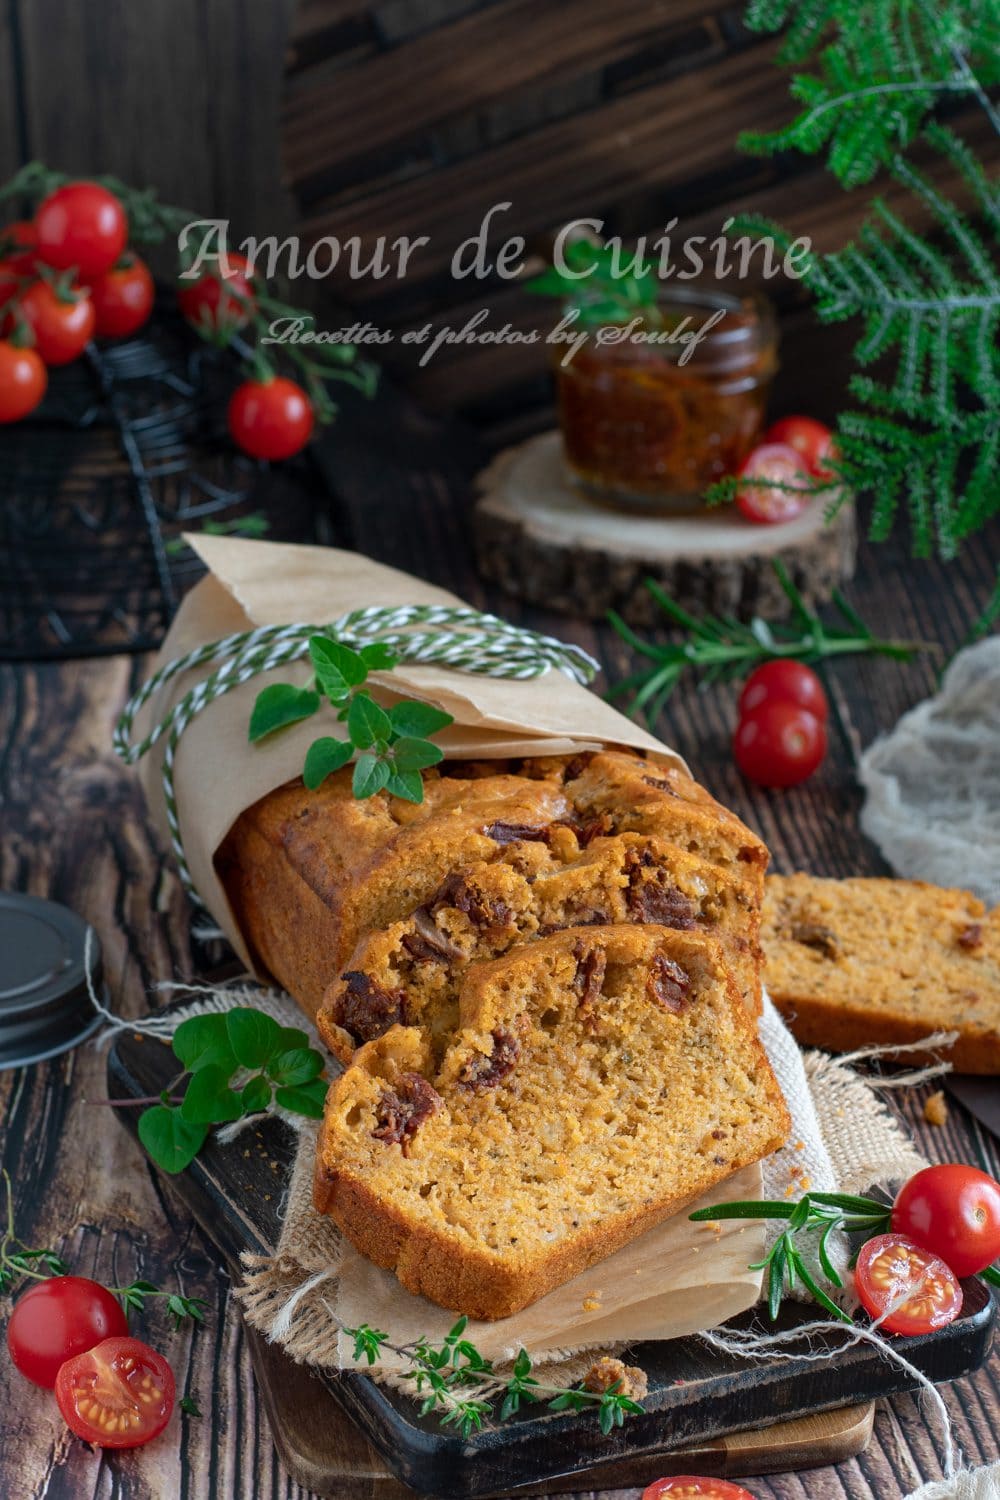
(600, 1079)
(412, 970)
(852, 962)
(309, 873)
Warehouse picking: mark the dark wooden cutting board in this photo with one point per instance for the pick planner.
(696, 1396)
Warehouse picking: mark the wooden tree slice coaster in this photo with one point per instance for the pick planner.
(545, 542)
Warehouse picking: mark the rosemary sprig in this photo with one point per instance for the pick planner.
(597, 288)
(819, 1214)
(446, 1375)
(722, 647)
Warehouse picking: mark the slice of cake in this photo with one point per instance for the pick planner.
(601, 1078)
(853, 962)
(412, 971)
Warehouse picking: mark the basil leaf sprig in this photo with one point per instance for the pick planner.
(237, 1062)
(392, 745)
(445, 1376)
(813, 1214)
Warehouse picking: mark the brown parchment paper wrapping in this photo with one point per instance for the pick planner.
(218, 775)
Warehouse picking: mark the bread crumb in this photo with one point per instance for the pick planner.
(713, 1225)
(800, 1145)
(805, 1184)
(591, 1304)
(936, 1109)
(607, 1372)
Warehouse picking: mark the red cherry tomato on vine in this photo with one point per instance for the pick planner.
(779, 744)
(681, 1486)
(23, 379)
(63, 326)
(772, 462)
(953, 1211)
(216, 302)
(117, 1395)
(270, 418)
(784, 682)
(811, 439)
(19, 246)
(60, 1318)
(123, 298)
(889, 1267)
(81, 225)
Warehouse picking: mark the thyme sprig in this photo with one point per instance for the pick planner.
(18, 1260)
(721, 647)
(446, 1376)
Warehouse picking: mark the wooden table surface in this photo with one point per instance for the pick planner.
(74, 828)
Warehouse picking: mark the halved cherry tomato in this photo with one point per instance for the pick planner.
(679, 1486)
(889, 1268)
(117, 1395)
(784, 681)
(270, 418)
(780, 463)
(63, 326)
(216, 302)
(23, 379)
(953, 1211)
(19, 246)
(81, 225)
(57, 1319)
(810, 438)
(123, 298)
(779, 744)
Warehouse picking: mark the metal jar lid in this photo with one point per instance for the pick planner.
(44, 1005)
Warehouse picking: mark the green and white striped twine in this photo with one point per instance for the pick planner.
(477, 643)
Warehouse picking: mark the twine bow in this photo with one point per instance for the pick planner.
(477, 643)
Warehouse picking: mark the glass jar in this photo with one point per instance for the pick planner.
(648, 421)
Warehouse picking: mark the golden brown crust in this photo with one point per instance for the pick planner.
(861, 962)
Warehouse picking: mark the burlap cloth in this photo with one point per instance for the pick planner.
(843, 1137)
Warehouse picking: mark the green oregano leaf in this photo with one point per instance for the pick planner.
(289, 1037)
(256, 1095)
(252, 1035)
(370, 776)
(338, 669)
(201, 1041)
(304, 1099)
(412, 719)
(278, 706)
(378, 657)
(323, 757)
(300, 1065)
(209, 1100)
(368, 724)
(415, 755)
(170, 1140)
(406, 784)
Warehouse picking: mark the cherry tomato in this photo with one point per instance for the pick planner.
(809, 438)
(81, 225)
(890, 1266)
(772, 461)
(784, 681)
(123, 298)
(953, 1211)
(63, 327)
(682, 1485)
(57, 1319)
(19, 246)
(23, 379)
(218, 302)
(270, 418)
(117, 1395)
(779, 744)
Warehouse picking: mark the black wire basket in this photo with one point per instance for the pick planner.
(128, 450)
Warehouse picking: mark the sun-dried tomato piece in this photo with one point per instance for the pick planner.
(516, 833)
(366, 1008)
(486, 1072)
(667, 983)
(651, 897)
(402, 1110)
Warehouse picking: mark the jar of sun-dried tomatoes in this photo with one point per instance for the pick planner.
(654, 411)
